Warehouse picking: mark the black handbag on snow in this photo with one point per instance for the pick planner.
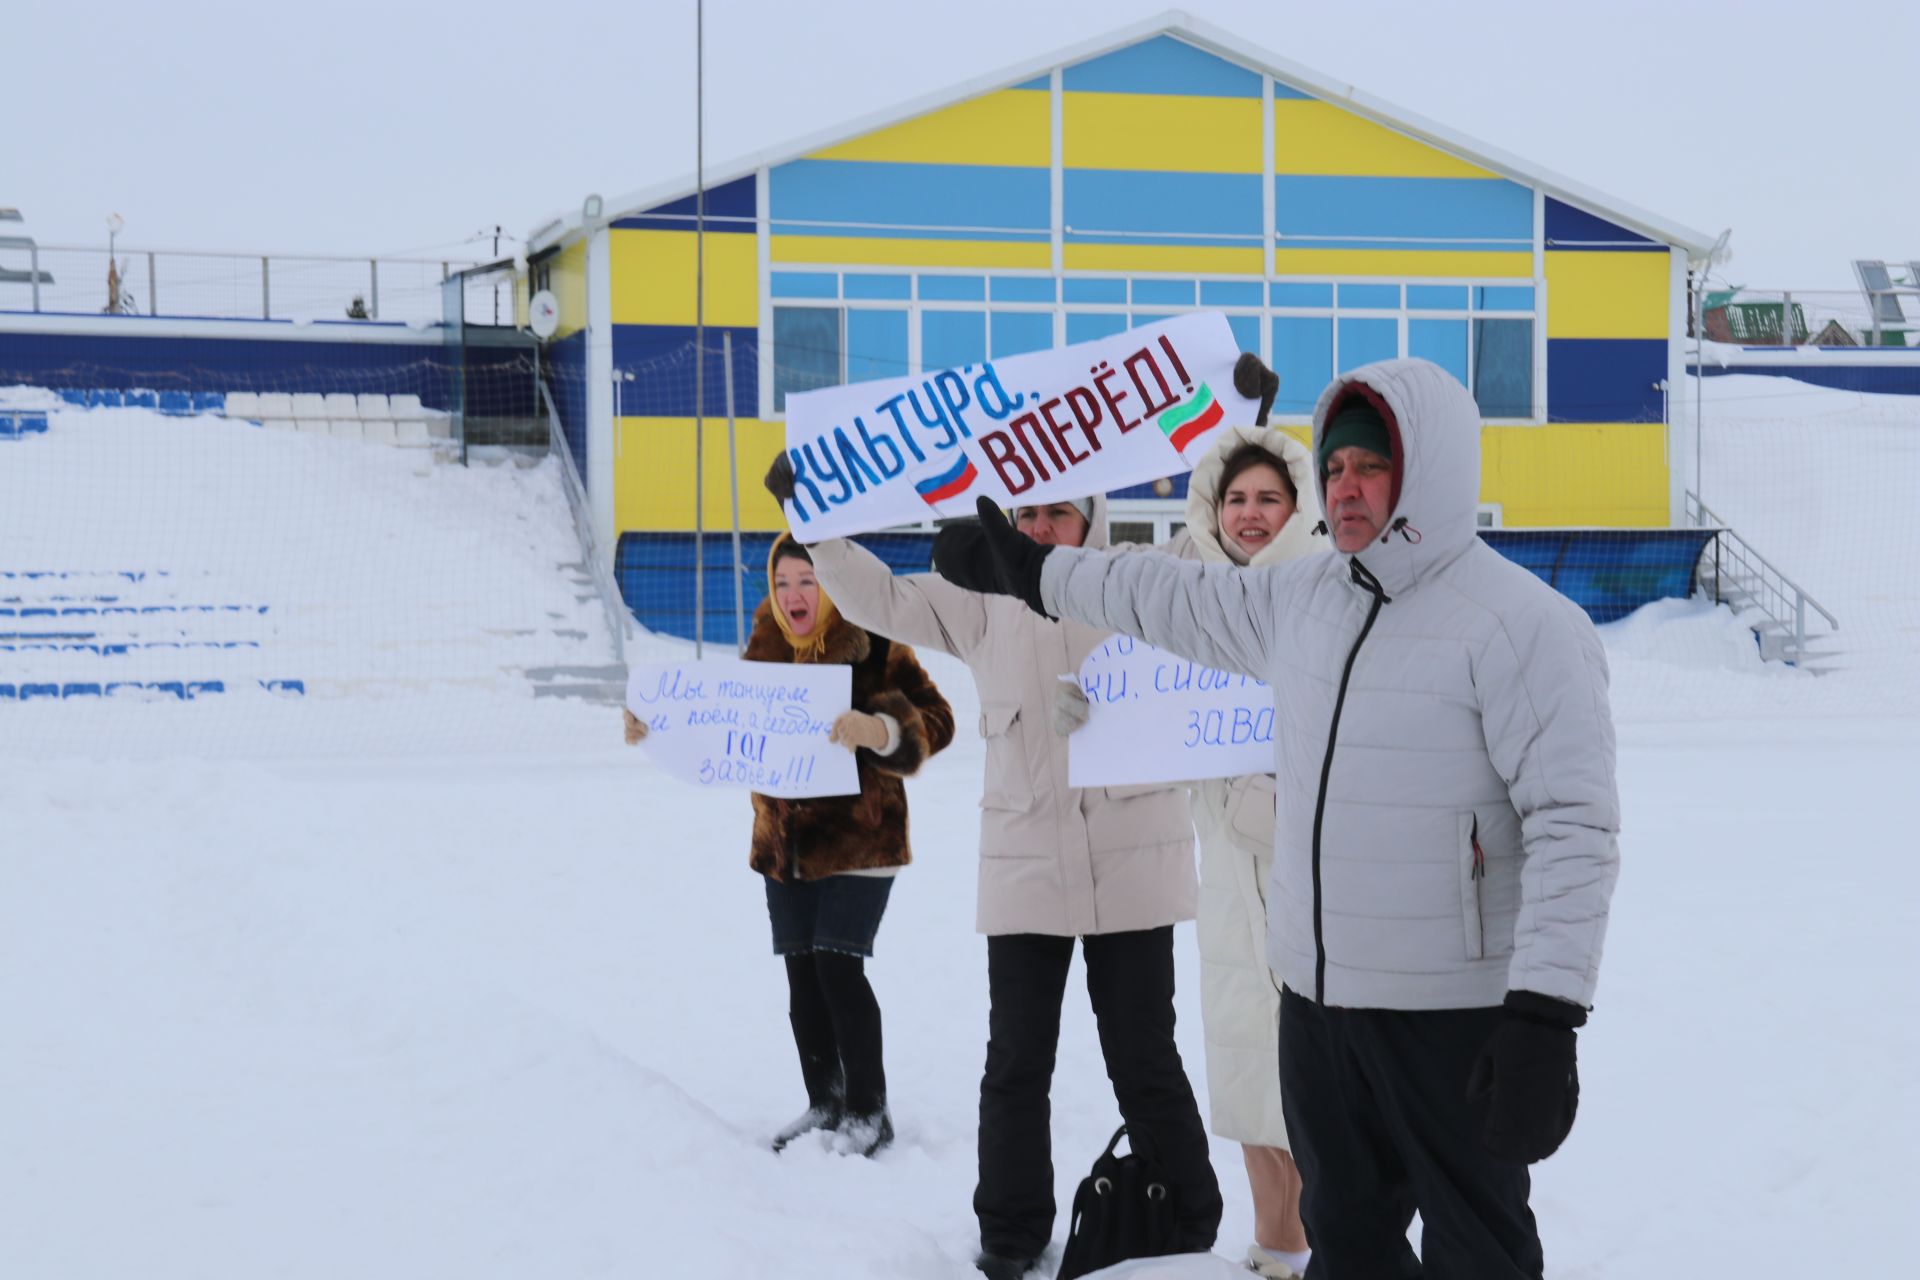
(1123, 1209)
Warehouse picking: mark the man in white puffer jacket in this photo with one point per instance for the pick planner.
(1447, 840)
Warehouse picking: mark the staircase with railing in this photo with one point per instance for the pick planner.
(1733, 573)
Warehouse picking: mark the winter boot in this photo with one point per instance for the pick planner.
(826, 1108)
(999, 1266)
(865, 1135)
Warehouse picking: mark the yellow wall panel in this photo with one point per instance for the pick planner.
(1161, 132)
(1613, 475)
(853, 250)
(1320, 138)
(653, 277)
(1607, 295)
(567, 273)
(1222, 259)
(1006, 128)
(653, 471)
(1409, 263)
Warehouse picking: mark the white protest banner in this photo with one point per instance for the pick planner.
(752, 726)
(1031, 429)
(1158, 718)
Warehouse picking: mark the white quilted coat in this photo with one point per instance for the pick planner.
(1443, 747)
(1239, 996)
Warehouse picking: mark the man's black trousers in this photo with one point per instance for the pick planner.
(1130, 981)
(1377, 1111)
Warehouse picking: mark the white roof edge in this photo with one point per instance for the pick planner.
(564, 227)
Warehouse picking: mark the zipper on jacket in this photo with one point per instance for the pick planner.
(1361, 577)
(1479, 878)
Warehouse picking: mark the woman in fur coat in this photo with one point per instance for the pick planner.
(829, 861)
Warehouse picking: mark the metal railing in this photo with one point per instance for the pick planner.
(190, 284)
(1732, 572)
(599, 566)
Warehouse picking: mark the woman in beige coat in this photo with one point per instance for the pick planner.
(1250, 501)
(1112, 867)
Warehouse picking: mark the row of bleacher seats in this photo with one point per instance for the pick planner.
(371, 416)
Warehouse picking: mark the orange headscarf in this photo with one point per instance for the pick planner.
(809, 647)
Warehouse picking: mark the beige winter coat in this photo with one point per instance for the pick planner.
(1239, 995)
(1053, 859)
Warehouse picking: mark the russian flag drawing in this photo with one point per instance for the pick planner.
(1187, 422)
(949, 484)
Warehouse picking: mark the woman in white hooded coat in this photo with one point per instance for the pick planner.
(1250, 501)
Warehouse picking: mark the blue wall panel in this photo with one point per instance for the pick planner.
(661, 359)
(1605, 379)
(1010, 203)
(730, 207)
(1571, 228)
(1309, 207)
(1219, 204)
(1163, 65)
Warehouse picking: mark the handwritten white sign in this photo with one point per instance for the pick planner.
(751, 726)
(1159, 718)
(1045, 427)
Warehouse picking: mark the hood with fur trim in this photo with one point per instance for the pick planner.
(1296, 537)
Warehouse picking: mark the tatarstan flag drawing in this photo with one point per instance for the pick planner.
(1187, 422)
(949, 483)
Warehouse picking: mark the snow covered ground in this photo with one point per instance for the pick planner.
(509, 1010)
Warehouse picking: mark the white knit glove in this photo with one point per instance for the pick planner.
(1070, 709)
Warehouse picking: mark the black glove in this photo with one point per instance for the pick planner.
(779, 479)
(1252, 379)
(1528, 1077)
(991, 557)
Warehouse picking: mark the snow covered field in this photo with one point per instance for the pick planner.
(507, 1008)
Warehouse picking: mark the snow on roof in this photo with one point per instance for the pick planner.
(1202, 35)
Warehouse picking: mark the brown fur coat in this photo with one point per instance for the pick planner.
(808, 839)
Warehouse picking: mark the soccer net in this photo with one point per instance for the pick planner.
(304, 563)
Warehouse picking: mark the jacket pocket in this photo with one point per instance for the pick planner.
(1250, 813)
(1009, 783)
(1472, 862)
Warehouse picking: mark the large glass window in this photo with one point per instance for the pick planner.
(806, 350)
(1085, 326)
(876, 344)
(1303, 357)
(1363, 341)
(1442, 341)
(1015, 333)
(949, 339)
(1503, 367)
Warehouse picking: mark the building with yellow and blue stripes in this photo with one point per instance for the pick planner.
(1161, 169)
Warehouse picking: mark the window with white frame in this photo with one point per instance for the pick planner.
(833, 326)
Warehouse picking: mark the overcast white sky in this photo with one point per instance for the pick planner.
(387, 128)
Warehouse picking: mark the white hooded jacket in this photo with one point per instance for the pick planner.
(1444, 751)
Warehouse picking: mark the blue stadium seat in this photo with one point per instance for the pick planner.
(141, 398)
(176, 403)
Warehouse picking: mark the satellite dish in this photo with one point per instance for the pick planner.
(1720, 253)
(543, 314)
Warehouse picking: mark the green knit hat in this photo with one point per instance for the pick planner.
(1357, 423)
